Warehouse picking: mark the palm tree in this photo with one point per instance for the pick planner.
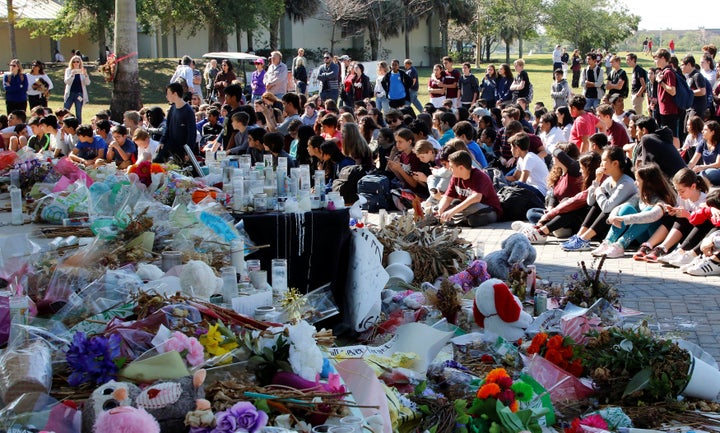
(11, 28)
(126, 85)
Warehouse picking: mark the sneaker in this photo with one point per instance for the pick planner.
(642, 253)
(568, 241)
(691, 264)
(600, 250)
(576, 243)
(615, 251)
(655, 254)
(667, 258)
(535, 236)
(704, 268)
(682, 259)
(520, 226)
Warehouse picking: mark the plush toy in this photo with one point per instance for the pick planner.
(499, 311)
(197, 279)
(170, 401)
(202, 416)
(472, 276)
(515, 248)
(126, 419)
(105, 397)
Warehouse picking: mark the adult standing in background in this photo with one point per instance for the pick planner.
(223, 79)
(39, 85)
(184, 74)
(575, 66)
(329, 78)
(415, 87)
(300, 75)
(300, 58)
(76, 81)
(565, 58)
(276, 77)
(557, 59)
(15, 84)
(638, 82)
(257, 83)
(210, 72)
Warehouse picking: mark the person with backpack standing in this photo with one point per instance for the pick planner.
(617, 81)
(591, 81)
(667, 90)
(638, 82)
(697, 84)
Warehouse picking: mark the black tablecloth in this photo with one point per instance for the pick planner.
(316, 245)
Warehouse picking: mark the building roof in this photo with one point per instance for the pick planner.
(34, 9)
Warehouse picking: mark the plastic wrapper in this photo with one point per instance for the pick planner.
(67, 169)
(109, 291)
(27, 368)
(72, 274)
(205, 228)
(454, 383)
(66, 200)
(561, 385)
(319, 305)
(7, 159)
(576, 322)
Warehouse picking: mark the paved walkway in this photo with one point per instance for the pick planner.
(674, 303)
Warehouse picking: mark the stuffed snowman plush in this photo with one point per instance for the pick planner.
(499, 311)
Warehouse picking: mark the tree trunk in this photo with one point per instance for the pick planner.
(11, 28)
(507, 52)
(217, 39)
(126, 86)
(274, 33)
(444, 34)
(488, 45)
(238, 37)
(520, 47)
(374, 45)
(101, 42)
(332, 37)
(250, 41)
(407, 34)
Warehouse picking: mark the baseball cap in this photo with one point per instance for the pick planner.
(481, 112)
(344, 57)
(259, 62)
(558, 71)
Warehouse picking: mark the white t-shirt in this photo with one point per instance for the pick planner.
(538, 171)
(551, 138)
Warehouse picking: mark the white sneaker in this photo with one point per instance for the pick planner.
(705, 268)
(601, 250)
(520, 226)
(693, 261)
(670, 257)
(615, 251)
(534, 236)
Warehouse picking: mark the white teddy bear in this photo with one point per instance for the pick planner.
(198, 279)
(499, 311)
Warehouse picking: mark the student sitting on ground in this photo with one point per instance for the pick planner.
(470, 198)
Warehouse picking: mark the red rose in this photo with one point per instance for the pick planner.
(555, 342)
(553, 356)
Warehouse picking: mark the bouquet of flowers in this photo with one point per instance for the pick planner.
(93, 360)
(587, 286)
(496, 407)
(219, 341)
(188, 347)
(561, 351)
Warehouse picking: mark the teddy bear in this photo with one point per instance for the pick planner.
(515, 248)
(496, 309)
(471, 277)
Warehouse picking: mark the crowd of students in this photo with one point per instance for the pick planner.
(604, 173)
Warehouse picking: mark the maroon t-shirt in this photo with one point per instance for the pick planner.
(617, 134)
(451, 77)
(666, 100)
(478, 182)
(410, 163)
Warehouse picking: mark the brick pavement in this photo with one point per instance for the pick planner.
(673, 303)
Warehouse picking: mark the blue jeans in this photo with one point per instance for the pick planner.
(77, 99)
(533, 215)
(591, 103)
(330, 95)
(624, 235)
(415, 101)
(382, 103)
(713, 175)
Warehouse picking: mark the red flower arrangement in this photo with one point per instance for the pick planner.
(561, 351)
(144, 170)
(595, 421)
(499, 386)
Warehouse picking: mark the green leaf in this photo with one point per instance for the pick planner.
(120, 362)
(639, 382)
(420, 388)
(262, 404)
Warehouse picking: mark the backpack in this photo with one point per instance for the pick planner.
(684, 97)
(376, 190)
(516, 201)
(347, 182)
(625, 90)
(709, 97)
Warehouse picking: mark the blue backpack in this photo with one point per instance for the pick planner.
(684, 97)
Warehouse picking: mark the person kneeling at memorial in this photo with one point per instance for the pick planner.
(470, 198)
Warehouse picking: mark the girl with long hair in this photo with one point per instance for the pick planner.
(76, 82)
(505, 79)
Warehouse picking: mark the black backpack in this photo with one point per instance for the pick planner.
(516, 201)
(684, 97)
(376, 190)
(347, 182)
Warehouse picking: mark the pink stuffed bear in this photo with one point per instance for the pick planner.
(472, 276)
(126, 419)
(499, 311)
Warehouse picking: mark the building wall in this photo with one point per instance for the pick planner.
(29, 49)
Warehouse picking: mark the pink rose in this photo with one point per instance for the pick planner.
(196, 354)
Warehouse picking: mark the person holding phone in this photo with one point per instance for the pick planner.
(76, 81)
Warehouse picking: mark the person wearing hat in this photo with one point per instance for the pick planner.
(557, 58)
(256, 81)
(560, 90)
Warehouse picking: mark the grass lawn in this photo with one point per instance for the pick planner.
(155, 73)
